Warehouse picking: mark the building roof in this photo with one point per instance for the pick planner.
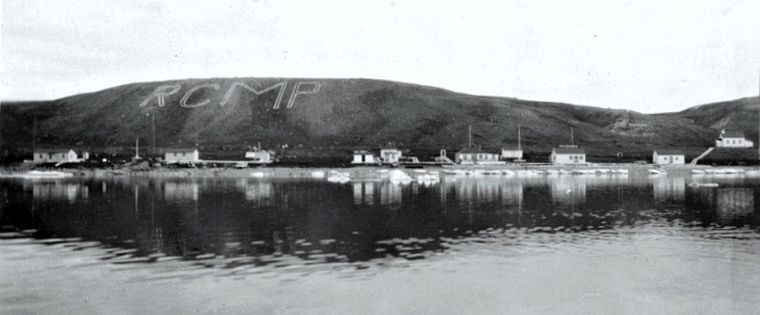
(473, 150)
(668, 152)
(388, 148)
(49, 150)
(511, 148)
(180, 150)
(732, 134)
(565, 150)
(361, 152)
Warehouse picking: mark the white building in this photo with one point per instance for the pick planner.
(732, 139)
(182, 156)
(260, 156)
(476, 156)
(390, 155)
(364, 157)
(665, 157)
(58, 156)
(568, 155)
(512, 153)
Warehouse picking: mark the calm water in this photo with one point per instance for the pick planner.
(569, 244)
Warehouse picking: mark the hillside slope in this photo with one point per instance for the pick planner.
(341, 114)
(741, 115)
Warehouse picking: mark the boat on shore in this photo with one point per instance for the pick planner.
(339, 177)
(697, 185)
(656, 172)
(584, 172)
(41, 175)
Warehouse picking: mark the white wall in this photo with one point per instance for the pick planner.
(476, 157)
(357, 158)
(45, 157)
(175, 157)
(568, 158)
(733, 143)
(512, 154)
(390, 156)
(669, 159)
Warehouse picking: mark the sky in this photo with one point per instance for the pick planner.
(647, 56)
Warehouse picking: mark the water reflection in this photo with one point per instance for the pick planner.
(47, 191)
(178, 191)
(669, 189)
(734, 203)
(262, 222)
(568, 191)
(382, 192)
(257, 191)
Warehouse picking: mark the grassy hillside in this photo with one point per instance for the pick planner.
(347, 114)
(738, 114)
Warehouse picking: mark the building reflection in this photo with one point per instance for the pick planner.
(390, 193)
(59, 191)
(568, 191)
(371, 192)
(180, 191)
(669, 189)
(511, 193)
(483, 189)
(257, 191)
(734, 203)
(327, 223)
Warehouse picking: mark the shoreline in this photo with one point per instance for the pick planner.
(359, 171)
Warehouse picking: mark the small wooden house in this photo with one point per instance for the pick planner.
(568, 155)
(181, 156)
(476, 156)
(667, 157)
(390, 155)
(58, 156)
(511, 153)
(732, 139)
(363, 157)
(259, 156)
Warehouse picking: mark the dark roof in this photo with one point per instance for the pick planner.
(48, 150)
(180, 150)
(361, 151)
(569, 150)
(733, 134)
(511, 148)
(389, 148)
(473, 150)
(668, 152)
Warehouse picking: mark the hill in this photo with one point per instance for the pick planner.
(740, 115)
(328, 117)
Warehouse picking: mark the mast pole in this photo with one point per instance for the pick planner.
(153, 128)
(519, 144)
(469, 137)
(34, 133)
(572, 140)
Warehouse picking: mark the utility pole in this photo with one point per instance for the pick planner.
(572, 141)
(519, 144)
(34, 133)
(137, 148)
(469, 137)
(153, 128)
